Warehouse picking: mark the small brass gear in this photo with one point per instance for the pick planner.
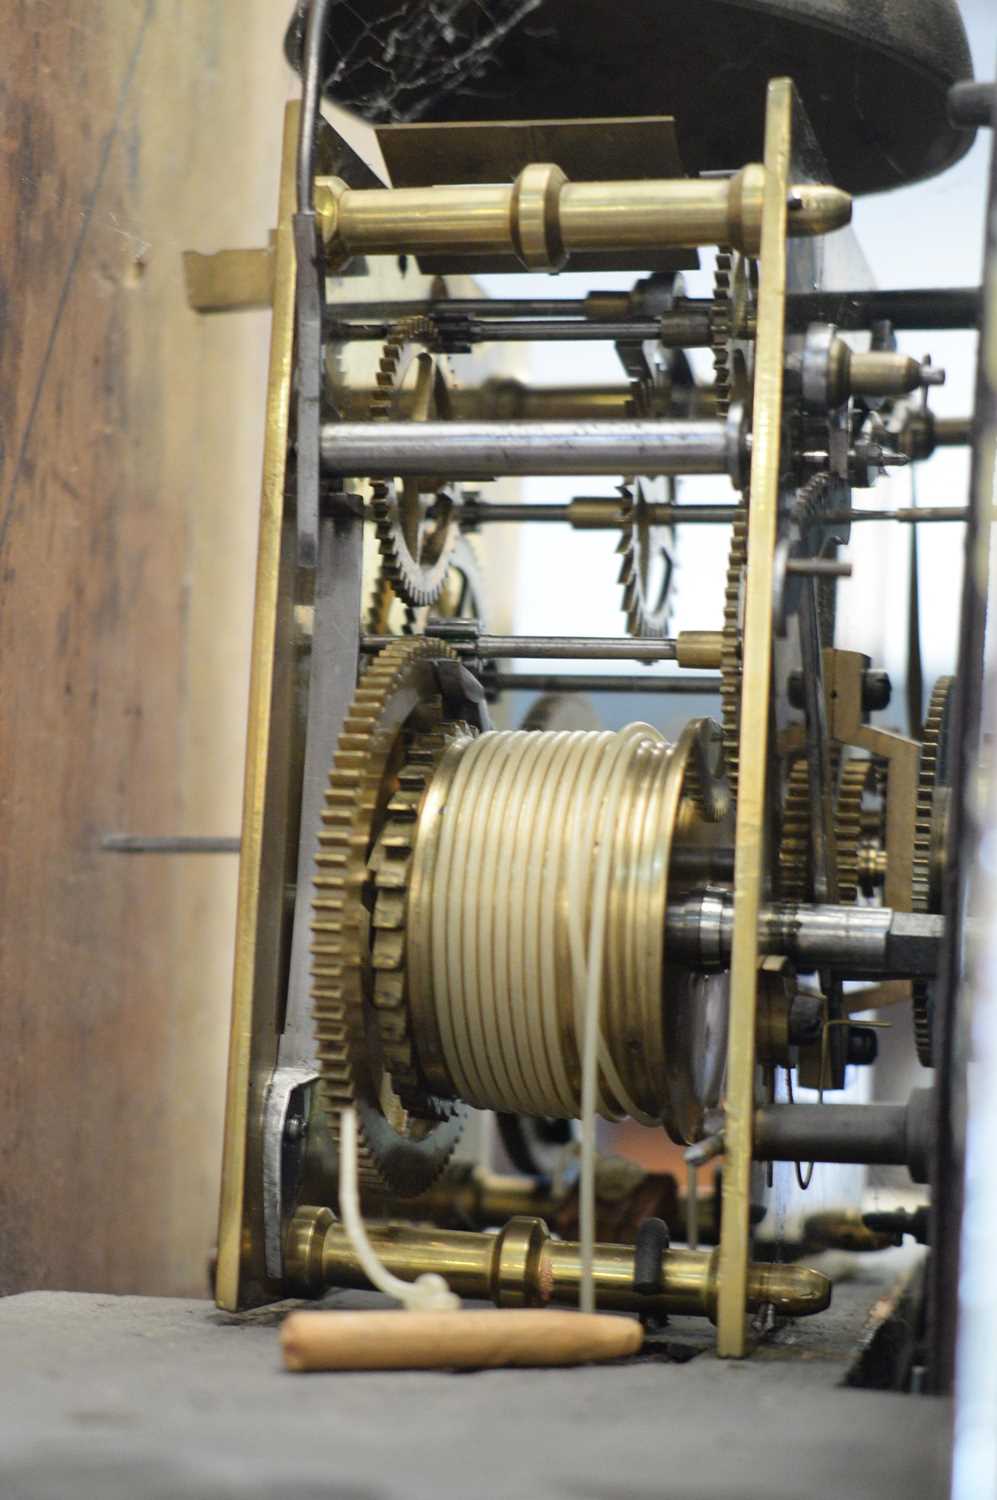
(397, 699)
(730, 658)
(643, 546)
(415, 553)
(390, 865)
(794, 844)
(704, 782)
(857, 776)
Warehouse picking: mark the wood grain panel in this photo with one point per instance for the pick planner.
(130, 435)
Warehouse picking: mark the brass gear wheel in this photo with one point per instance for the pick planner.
(932, 774)
(647, 604)
(857, 776)
(722, 328)
(396, 701)
(730, 320)
(730, 656)
(381, 607)
(794, 843)
(461, 597)
(415, 554)
(391, 864)
(932, 779)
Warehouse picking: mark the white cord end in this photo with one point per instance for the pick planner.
(429, 1292)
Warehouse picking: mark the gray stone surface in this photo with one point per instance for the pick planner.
(126, 1398)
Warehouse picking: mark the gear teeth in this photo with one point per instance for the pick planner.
(391, 864)
(416, 583)
(923, 1012)
(928, 781)
(794, 845)
(927, 784)
(340, 961)
(730, 658)
(857, 776)
(712, 801)
(382, 598)
(722, 329)
(808, 505)
(638, 541)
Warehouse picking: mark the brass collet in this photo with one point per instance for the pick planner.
(524, 1266)
(542, 219)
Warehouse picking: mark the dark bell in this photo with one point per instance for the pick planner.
(873, 74)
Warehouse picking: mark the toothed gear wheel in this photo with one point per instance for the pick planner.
(857, 778)
(730, 655)
(644, 548)
(933, 774)
(794, 843)
(382, 602)
(415, 552)
(391, 864)
(704, 782)
(722, 329)
(461, 598)
(396, 701)
(858, 775)
(933, 780)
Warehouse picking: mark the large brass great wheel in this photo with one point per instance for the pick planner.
(373, 772)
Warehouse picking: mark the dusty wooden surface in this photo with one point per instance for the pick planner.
(130, 435)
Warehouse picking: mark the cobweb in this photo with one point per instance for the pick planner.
(395, 65)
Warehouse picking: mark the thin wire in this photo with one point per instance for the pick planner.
(824, 1058)
(311, 88)
(798, 1166)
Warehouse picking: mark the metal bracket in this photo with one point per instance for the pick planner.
(287, 1101)
(230, 280)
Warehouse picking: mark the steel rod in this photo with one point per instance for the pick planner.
(909, 515)
(474, 307)
(875, 1134)
(922, 309)
(549, 647)
(584, 512)
(483, 450)
(570, 682)
(694, 333)
(490, 513)
(908, 309)
(861, 941)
